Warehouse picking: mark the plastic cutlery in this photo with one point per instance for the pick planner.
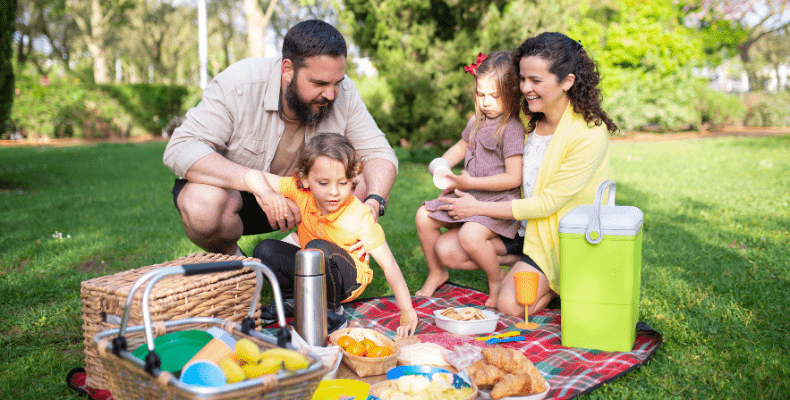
(506, 339)
(501, 335)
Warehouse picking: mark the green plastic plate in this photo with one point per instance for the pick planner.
(175, 349)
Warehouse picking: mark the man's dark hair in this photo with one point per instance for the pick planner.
(312, 38)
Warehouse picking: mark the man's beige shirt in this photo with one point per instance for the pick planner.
(238, 119)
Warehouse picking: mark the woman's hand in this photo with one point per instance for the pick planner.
(462, 207)
(362, 254)
(408, 324)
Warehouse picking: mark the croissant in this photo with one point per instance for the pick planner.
(508, 360)
(515, 384)
(470, 370)
(538, 381)
(488, 375)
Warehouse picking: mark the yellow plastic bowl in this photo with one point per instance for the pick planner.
(333, 389)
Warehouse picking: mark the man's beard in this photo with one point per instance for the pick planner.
(304, 110)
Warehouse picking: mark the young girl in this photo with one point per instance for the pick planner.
(332, 220)
(491, 147)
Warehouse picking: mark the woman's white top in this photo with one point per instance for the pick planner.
(534, 150)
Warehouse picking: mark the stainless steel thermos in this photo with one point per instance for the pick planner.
(310, 296)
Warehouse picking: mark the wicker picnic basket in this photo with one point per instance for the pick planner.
(367, 366)
(128, 377)
(225, 295)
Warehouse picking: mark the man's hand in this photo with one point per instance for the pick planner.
(374, 208)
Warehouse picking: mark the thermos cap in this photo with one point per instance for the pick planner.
(309, 262)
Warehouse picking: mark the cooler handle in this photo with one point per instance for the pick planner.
(594, 232)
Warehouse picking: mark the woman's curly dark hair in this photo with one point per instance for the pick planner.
(566, 56)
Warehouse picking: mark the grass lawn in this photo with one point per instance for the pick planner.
(715, 276)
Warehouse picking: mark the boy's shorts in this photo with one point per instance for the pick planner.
(252, 216)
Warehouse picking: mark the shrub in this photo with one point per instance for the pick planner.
(70, 108)
(765, 109)
(718, 109)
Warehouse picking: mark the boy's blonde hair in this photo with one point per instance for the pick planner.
(498, 65)
(330, 145)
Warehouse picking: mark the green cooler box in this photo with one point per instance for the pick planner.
(600, 269)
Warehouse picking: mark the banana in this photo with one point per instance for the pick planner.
(232, 370)
(247, 351)
(292, 359)
(265, 366)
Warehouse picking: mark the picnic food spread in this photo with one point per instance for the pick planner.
(508, 372)
(463, 314)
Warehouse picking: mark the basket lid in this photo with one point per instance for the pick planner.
(615, 220)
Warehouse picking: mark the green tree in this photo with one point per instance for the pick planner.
(95, 18)
(738, 26)
(45, 22)
(7, 18)
(645, 55)
(421, 46)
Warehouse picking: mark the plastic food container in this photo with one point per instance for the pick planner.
(472, 327)
(601, 258)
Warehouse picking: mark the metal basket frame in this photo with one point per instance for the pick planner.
(112, 343)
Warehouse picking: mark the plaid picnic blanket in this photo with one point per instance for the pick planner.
(570, 372)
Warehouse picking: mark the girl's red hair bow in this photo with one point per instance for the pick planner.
(473, 67)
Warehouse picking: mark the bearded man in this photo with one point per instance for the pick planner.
(256, 114)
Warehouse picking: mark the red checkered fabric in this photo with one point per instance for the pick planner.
(570, 372)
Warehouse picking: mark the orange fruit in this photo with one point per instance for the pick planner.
(368, 344)
(357, 349)
(379, 351)
(345, 341)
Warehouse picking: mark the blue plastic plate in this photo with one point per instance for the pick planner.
(397, 372)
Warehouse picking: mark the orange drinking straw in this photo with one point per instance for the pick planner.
(526, 293)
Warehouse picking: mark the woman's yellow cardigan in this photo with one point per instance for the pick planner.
(575, 164)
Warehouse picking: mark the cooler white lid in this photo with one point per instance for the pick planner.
(615, 220)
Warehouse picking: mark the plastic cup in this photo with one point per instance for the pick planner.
(439, 168)
(203, 373)
(526, 287)
(440, 179)
(526, 283)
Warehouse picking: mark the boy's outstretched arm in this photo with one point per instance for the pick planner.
(408, 320)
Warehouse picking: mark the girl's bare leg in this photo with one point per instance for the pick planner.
(451, 255)
(507, 302)
(428, 231)
(475, 239)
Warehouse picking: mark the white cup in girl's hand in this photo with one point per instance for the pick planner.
(440, 168)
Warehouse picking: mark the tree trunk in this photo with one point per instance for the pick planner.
(7, 82)
(257, 21)
(255, 28)
(96, 45)
(751, 74)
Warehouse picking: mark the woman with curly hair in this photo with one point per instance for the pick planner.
(566, 158)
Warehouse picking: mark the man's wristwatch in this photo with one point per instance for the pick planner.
(382, 203)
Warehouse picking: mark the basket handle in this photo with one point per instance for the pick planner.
(594, 232)
(188, 270)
